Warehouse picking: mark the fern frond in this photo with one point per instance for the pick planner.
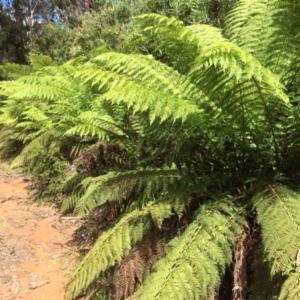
(237, 64)
(114, 244)
(142, 99)
(6, 118)
(116, 185)
(249, 97)
(92, 124)
(260, 28)
(192, 269)
(207, 36)
(248, 26)
(175, 41)
(148, 20)
(199, 35)
(39, 87)
(38, 142)
(14, 71)
(136, 267)
(290, 289)
(39, 61)
(278, 210)
(34, 114)
(147, 71)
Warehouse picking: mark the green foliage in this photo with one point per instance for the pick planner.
(47, 172)
(264, 286)
(156, 142)
(290, 288)
(192, 268)
(54, 41)
(115, 186)
(115, 244)
(277, 215)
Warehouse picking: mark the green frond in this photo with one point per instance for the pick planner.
(27, 153)
(71, 201)
(14, 71)
(82, 149)
(249, 98)
(193, 268)
(238, 65)
(160, 105)
(148, 20)
(278, 210)
(39, 87)
(147, 71)
(100, 78)
(248, 25)
(6, 118)
(94, 124)
(114, 244)
(34, 114)
(260, 28)
(38, 141)
(175, 41)
(115, 186)
(290, 289)
(39, 61)
(207, 36)
(197, 36)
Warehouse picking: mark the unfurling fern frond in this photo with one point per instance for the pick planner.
(193, 268)
(116, 186)
(278, 210)
(114, 244)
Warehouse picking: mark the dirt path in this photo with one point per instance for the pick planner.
(36, 258)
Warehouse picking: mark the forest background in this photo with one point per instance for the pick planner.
(64, 29)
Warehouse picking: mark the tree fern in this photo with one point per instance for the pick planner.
(151, 136)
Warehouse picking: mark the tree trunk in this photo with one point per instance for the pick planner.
(76, 7)
(87, 6)
(240, 280)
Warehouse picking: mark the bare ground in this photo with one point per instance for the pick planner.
(37, 254)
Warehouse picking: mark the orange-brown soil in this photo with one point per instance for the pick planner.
(36, 258)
